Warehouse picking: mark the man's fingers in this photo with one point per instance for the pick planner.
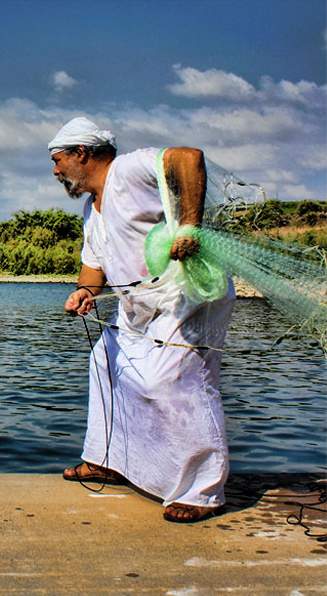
(78, 302)
(72, 303)
(85, 307)
(70, 306)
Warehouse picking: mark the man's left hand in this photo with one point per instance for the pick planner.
(183, 247)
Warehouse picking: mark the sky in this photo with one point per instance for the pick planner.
(243, 80)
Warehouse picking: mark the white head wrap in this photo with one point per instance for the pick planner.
(80, 131)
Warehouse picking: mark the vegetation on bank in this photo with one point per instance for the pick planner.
(49, 242)
(301, 223)
(41, 242)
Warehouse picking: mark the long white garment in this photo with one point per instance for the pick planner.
(167, 435)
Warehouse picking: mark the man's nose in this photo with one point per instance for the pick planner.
(55, 170)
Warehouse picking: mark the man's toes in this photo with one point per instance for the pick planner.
(186, 513)
(77, 471)
(183, 513)
(179, 513)
(68, 472)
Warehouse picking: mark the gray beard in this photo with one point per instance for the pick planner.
(71, 187)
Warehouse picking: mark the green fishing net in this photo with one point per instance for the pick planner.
(201, 274)
(157, 248)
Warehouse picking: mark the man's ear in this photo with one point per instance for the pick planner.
(83, 154)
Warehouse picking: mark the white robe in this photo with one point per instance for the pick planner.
(167, 435)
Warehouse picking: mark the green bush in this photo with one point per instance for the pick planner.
(3, 256)
(266, 215)
(41, 242)
(61, 224)
(311, 218)
(42, 237)
(305, 207)
(24, 258)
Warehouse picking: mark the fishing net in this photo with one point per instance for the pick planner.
(294, 284)
(201, 275)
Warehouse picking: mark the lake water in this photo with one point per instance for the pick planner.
(274, 397)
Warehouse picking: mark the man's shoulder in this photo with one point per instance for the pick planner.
(137, 163)
(137, 155)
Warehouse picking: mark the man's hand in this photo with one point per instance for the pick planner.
(79, 302)
(183, 247)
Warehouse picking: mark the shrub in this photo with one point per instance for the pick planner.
(42, 237)
(62, 224)
(311, 218)
(3, 256)
(305, 207)
(266, 215)
(41, 242)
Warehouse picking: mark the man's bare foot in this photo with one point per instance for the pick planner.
(86, 472)
(181, 513)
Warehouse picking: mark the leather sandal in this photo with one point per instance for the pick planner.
(86, 472)
(185, 514)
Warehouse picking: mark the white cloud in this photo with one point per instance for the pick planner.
(314, 157)
(224, 86)
(294, 191)
(24, 125)
(210, 83)
(242, 124)
(274, 140)
(306, 93)
(62, 81)
(242, 158)
(280, 175)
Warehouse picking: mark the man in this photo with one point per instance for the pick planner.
(155, 415)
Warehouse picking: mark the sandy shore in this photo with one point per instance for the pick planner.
(64, 279)
(59, 538)
(243, 290)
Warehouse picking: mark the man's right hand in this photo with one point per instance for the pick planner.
(79, 302)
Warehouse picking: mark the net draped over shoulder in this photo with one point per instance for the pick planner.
(167, 434)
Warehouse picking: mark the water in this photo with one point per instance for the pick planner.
(274, 398)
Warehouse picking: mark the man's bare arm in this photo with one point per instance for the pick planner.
(186, 167)
(90, 282)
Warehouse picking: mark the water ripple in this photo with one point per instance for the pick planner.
(274, 397)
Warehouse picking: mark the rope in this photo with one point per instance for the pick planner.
(136, 333)
(158, 342)
(108, 434)
(297, 519)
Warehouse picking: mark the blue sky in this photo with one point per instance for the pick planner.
(244, 80)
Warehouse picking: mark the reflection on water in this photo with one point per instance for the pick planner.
(274, 397)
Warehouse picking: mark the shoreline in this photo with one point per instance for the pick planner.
(42, 278)
(243, 290)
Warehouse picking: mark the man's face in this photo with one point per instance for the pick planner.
(69, 170)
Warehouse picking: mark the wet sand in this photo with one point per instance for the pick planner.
(59, 538)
